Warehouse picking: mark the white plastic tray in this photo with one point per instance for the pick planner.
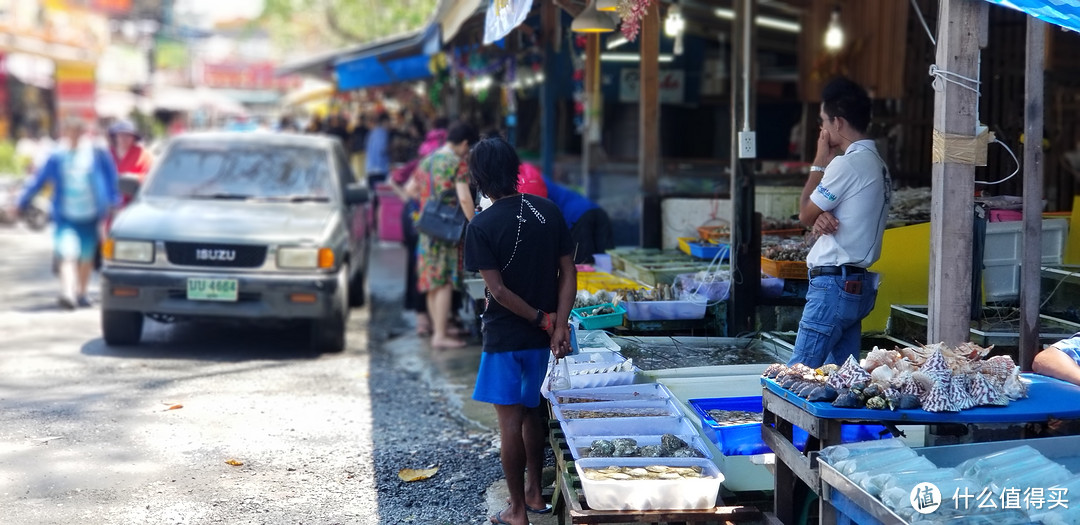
(629, 426)
(568, 411)
(692, 308)
(651, 494)
(615, 393)
(582, 442)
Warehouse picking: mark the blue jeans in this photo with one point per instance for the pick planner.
(831, 325)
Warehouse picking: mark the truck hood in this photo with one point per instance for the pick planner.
(223, 221)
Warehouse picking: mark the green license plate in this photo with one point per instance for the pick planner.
(200, 289)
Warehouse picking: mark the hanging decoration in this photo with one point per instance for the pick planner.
(632, 12)
(577, 57)
(440, 77)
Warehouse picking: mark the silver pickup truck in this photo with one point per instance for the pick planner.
(254, 226)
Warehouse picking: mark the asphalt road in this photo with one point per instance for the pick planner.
(94, 434)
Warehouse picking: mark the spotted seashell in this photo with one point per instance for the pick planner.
(935, 365)
(958, 393)
(982, 391)
(773, 370)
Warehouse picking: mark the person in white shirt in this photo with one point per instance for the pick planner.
(845, 203)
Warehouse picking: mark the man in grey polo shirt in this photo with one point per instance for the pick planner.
(845, 203)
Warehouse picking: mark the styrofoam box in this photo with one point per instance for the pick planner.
(582, 442)
(560, 411)
(651, 494)
(647, 391)
(1003, 253)
(628, 426)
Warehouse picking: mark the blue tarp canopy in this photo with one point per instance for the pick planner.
(371, 71)
(1065, 13)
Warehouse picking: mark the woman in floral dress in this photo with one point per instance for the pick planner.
(437, 261)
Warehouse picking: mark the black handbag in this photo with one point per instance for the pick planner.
(442, 218)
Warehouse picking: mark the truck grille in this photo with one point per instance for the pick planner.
(215, 255)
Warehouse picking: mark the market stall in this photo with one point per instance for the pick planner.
(963, 389)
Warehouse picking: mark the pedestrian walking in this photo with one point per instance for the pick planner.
(845, 202)
(83, 178)
(522, 248)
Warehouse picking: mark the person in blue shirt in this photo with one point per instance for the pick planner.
(377, 163)
(83, 177)
(590, 226)
(1060, 360)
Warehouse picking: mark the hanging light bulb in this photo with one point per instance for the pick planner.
(834, 35)
(592, 21)
(607, 5)
(674, 24)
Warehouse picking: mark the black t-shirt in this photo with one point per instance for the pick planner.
(523, 237)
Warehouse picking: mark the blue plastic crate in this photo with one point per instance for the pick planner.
(709, 251)
(745, 440)
(596, 322)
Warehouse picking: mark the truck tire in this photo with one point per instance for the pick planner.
(121, 328)
(328, 334)
(356, 290)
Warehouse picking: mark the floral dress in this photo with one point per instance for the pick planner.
(437, 261)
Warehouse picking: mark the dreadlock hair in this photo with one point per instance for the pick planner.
(494, 165)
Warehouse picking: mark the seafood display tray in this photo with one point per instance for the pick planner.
(631, 408)
(1047, 398)
(651, 494)
(746, 440)
(627, 426)
(666, 310)
(576, 444)
(643, 391)
(586, 341)
(596, 322)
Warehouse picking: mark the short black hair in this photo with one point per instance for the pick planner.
(382, 118)
(494, 165)
(842, 97)
(440, 123)
(460, 131)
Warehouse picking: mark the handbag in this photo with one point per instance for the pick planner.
(441, 218)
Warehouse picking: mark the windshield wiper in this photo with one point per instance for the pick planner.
(297, 198)
(223, 196)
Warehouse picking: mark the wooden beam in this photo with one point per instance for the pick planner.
(649, 128)
(592, 112)
(1031, 264)
(952, 202)
(549, 108)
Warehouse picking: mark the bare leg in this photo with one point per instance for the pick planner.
(532, 433)
(514, 458)
(1057, 364)
(85, 269)
(438, 300)
(68, 278)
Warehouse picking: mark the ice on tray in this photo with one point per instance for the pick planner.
(874, 460)
(836, 453)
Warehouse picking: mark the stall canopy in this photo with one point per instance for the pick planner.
(1065, 13)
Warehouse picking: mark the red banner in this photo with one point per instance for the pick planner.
(246, 76)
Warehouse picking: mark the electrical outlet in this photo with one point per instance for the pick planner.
(747, 145)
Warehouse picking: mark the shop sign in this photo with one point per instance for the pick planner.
(672, 85)
(503, 16)
(246, 76)
(75, 91)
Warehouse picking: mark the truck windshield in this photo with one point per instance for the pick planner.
(243, 172)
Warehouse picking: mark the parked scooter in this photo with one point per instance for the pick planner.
(37, 214)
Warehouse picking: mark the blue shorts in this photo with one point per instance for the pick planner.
(512, 378)
(76, 241)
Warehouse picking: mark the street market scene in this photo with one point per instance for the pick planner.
(536, 262)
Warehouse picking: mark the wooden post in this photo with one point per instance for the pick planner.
(592, 104)
(550, 18)
(952, 202)
(1031, 264)
(649, 128)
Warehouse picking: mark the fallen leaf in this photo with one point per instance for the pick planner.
(414, 474)
(174, 407)
(233, 462)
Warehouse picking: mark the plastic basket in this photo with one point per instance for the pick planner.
(784, 269)
(745, 439)
(596, 322)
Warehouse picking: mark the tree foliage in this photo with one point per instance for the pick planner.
(314, 24)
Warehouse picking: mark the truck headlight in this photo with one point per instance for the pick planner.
(310, 258)
(129, 251)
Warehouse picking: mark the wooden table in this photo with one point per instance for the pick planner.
(568, 501)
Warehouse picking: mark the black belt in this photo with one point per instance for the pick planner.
(818, 271)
